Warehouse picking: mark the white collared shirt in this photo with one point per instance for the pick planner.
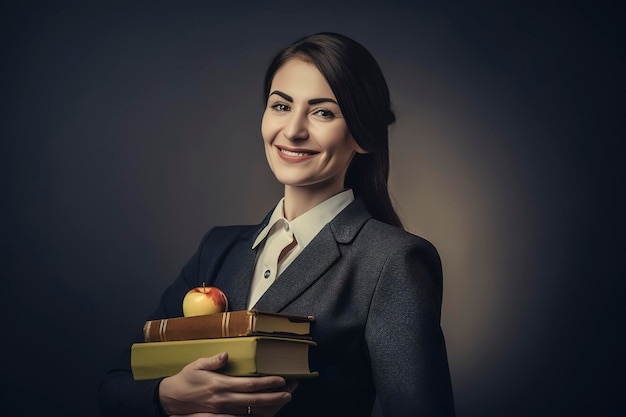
(279, 232)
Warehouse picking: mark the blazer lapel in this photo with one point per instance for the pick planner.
(237, 270)
(237, 285)
(315, 259)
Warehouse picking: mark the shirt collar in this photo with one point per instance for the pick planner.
(277, 214)
(308, 224)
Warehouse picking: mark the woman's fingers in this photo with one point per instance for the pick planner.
(198, 388)
(257, 384)
(260, 399)
(211, 363)
(238, 384)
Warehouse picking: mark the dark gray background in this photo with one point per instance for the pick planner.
(130, 129)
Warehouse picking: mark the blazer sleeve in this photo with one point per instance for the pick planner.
(119, 394)
(403, 333)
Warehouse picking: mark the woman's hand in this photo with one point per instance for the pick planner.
(198, 391)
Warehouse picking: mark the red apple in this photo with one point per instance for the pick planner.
(203, 300)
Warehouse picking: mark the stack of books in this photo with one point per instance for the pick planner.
(258, 343)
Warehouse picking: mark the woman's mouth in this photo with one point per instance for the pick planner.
(293, 153)
(296, 155)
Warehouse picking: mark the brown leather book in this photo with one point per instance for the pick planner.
(229, 324)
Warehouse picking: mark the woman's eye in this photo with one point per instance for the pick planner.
(326, 114)
(280, 107)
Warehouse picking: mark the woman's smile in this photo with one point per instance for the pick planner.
(295, 155)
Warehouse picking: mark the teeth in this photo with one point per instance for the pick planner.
(290, 153)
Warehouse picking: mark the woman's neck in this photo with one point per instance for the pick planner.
(299, 200)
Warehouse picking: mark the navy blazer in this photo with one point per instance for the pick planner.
(375, 292)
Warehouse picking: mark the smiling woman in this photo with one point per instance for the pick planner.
(307, 141)
(332, 248)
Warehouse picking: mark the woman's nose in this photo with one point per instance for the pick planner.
(296, 127)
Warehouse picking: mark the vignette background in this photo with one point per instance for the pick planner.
(130, 129)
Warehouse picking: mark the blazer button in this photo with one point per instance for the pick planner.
(266, 274)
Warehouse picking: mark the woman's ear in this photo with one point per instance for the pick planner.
(358, 148)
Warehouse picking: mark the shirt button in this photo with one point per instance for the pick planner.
(266, 274)
(286, 226)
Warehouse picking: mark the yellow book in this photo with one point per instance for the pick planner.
(247, 356)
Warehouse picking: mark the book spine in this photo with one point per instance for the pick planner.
(228, 324)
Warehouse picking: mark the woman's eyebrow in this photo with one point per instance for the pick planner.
(312, 101)
(322, 100)
(283, 95)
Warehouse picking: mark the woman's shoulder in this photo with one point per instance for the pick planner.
(356, 224)
(236, 231)
(393, 237)
(397, 246)
(230, 232)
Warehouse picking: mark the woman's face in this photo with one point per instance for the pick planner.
(307, 141)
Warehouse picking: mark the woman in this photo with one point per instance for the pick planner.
(374, 290)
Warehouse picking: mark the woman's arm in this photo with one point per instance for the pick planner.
(195, 389)
(403, 333)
